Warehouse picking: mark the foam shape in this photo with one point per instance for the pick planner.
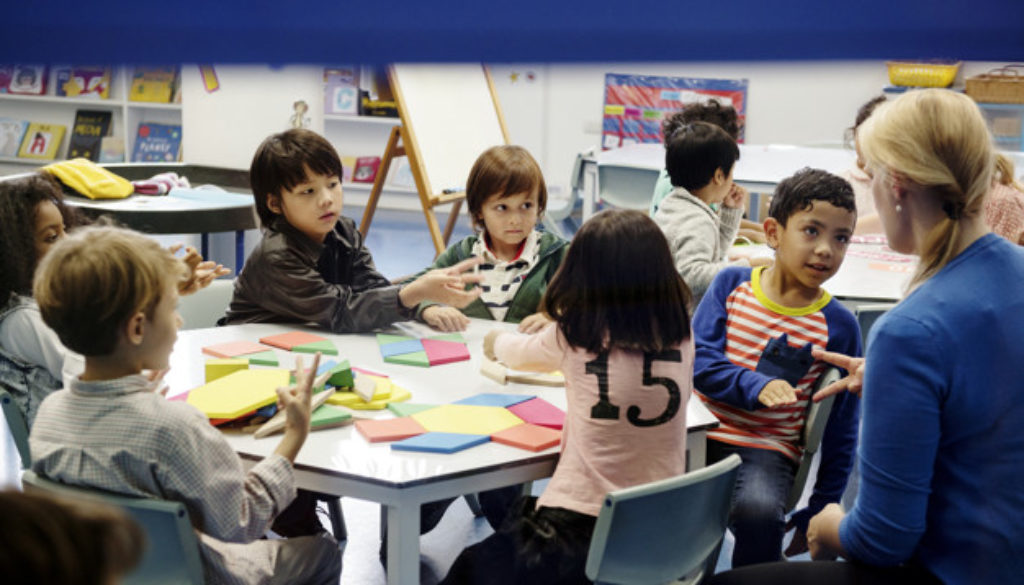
(494, 399)
(390, 429)
(263, 358)
(407, 408)
(554, 379)
(445, 352)
(353, 401)
(386, 338)
(529, 437)
(325, 347)
(267, 411)
(418, 358)
(234, 349)
(292, 339)
(409, 346)
(341, 375)
(449, 337)
(467, 419)
(366, 387)
(539, 412)
(440, 442)
(356, 370)
(277, 423)
(328, 417)
(219, 368)
(238, 393)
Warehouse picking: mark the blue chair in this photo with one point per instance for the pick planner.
(172, 548)
(810, 438)
(665, 531)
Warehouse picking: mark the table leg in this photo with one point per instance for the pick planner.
(403, 545)
(204, 245)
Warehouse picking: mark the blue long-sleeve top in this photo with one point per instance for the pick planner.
(732, 326)
(942, 451)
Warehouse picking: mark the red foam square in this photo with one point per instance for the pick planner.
(529, 437)
(291, 339)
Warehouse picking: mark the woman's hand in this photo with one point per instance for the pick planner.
(823, 533)
(853, 382)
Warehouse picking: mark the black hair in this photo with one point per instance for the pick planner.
(280, 164)
(799, 192)
(863, 113)
(611, 294)
(695, 151)
(711, 111)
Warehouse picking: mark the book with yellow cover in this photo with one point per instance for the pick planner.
(153, 84)
(41, 141)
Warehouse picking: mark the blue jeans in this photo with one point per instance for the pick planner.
(758, 516)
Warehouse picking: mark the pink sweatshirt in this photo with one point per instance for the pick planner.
(641, 434)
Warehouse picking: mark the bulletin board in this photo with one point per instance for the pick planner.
(635, 105)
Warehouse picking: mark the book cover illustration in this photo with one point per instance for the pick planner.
(41, 141)
(11, 133)
(84, 81)
(153, 84)
(111, 149)
(89, 129)
(341, 91)
(6, 75)
(28, 79)
(366, 169)
(157, 143)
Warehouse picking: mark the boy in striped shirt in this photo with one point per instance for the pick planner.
(754, 330)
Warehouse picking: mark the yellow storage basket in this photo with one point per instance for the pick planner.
(922, 74)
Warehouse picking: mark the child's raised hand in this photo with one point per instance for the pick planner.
(296, 400)
(534, 323)
(737, 197)
(777, 393)
(444, 285)
(200, 273)
(445, 319)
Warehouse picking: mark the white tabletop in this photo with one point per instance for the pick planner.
(340, 461)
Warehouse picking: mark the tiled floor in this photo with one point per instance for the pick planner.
(400, 246)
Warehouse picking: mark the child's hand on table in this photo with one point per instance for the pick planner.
(534, 323)
(445, 319)
(444, 285)
(777, 393)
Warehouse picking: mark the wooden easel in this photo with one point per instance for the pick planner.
(403, 142)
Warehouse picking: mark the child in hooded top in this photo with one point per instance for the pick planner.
(622, 337)
(506, 195)
(700, 159)
(754, 331)
(311, 265)
(35, 219)
(110, 294)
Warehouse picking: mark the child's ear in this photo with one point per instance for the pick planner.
(772, 232)
(719, 178)
(274, 203)
(135, 328)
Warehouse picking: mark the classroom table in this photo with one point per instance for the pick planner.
(626, 176)
(341, 462)
(871, 272)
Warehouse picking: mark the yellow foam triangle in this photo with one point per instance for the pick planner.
(353, 401)
(238, 393)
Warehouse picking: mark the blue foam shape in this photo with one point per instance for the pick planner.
(325, 366)
(400, 347)
(267, 411)
(495, 399)
(440, 442)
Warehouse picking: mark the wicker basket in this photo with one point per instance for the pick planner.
(922, 74)
(1004, 85)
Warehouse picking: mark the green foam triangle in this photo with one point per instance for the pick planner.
(328, 415)
(386, 338)
(449, 337)
(418, 358)
(263, 358)
(325, 347)
(341, 376)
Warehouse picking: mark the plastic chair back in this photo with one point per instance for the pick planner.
(172, 549)
(665, 530)
(16, 423)
(814, 428)
(626, 187)
(202, 308)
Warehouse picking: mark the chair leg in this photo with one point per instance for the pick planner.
(474, 505)
(337, 519)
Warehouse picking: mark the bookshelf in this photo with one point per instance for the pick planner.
(53, 109)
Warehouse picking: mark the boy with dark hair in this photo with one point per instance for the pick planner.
(754, 332)
(311, 266)
(110, 294)
(700, 158)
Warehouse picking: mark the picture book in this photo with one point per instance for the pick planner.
(83, 81)
(366, 169)
(11, 133)
(153, 84)
(28, 79)
(341, 91)
(157, 143)
(41, 141)
(6, 75)
(87, 133)
(111, 149)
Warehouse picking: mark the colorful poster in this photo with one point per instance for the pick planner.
(634, 105)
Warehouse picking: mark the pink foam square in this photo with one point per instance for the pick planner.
(539, 412)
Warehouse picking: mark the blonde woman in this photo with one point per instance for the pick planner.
(942, 454)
